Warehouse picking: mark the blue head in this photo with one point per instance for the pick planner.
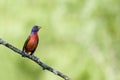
(35, 29)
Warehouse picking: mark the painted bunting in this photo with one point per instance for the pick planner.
(31, 43)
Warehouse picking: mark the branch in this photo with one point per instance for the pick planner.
(35, 59)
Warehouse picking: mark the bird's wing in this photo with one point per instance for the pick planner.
(25, 43)
(35, 47)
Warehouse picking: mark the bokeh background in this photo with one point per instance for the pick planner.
(80, 38)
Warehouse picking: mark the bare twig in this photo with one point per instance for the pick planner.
(35, 59)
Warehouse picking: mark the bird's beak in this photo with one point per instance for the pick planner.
(39, 27)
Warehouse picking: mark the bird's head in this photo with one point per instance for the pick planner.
(35, 29)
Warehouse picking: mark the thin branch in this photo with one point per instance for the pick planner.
(35, 59)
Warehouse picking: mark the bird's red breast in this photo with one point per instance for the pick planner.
(31, 43)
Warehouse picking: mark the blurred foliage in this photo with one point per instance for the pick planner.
(78, 37)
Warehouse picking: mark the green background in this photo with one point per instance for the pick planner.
(80, 38)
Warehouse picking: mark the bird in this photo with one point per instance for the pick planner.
(31, 43)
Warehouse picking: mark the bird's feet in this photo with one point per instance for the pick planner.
(23, 54)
